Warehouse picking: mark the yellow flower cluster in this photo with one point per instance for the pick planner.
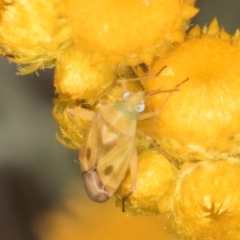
(92, 43)
(33, 33)
(199, 126)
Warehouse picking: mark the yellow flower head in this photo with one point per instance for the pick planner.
(32, 33)
(205, 202)
(130, 32)
(69, 136)
(201, 120)
(77, 76)
(155, 176)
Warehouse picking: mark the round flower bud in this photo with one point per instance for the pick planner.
(205, 202)
(155, 175)
(199, 121)
(79, 77)
(130, 32)
(32, 33)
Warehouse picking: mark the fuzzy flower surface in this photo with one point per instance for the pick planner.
(144, 201)
(129, 32)
(205, 203)
(32, 33)
(208, 99)
(107, 34)
(201, 120)
(77, 76)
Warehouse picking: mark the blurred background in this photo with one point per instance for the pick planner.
(41, 190)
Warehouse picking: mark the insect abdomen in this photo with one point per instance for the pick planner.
(94, 186)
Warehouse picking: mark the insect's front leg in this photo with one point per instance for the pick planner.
(81, 113)
(147, 115)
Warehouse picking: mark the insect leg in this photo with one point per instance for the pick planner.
(133, 172)
(123, 82)
(82, 113)
(158, 148)
(156, 112)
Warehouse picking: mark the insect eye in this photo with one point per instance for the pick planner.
(140, 107)
(125, 95)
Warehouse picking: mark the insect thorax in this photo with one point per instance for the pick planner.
(126, 110)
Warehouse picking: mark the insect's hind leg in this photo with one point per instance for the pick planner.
(124, 199)
(133, 172)
(158, 148)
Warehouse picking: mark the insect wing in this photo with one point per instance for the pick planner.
(108, 147)
(91, 145)
(114, 161)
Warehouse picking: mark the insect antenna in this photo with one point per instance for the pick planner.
(145, 77)
(123, 81)
(152, 114)
(158, 148)
(148, 94)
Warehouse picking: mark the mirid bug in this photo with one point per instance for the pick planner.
(109, 146)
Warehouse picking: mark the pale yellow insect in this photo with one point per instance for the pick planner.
(109, 146)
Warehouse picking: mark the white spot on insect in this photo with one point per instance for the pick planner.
(126, 95)
(109, 136)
